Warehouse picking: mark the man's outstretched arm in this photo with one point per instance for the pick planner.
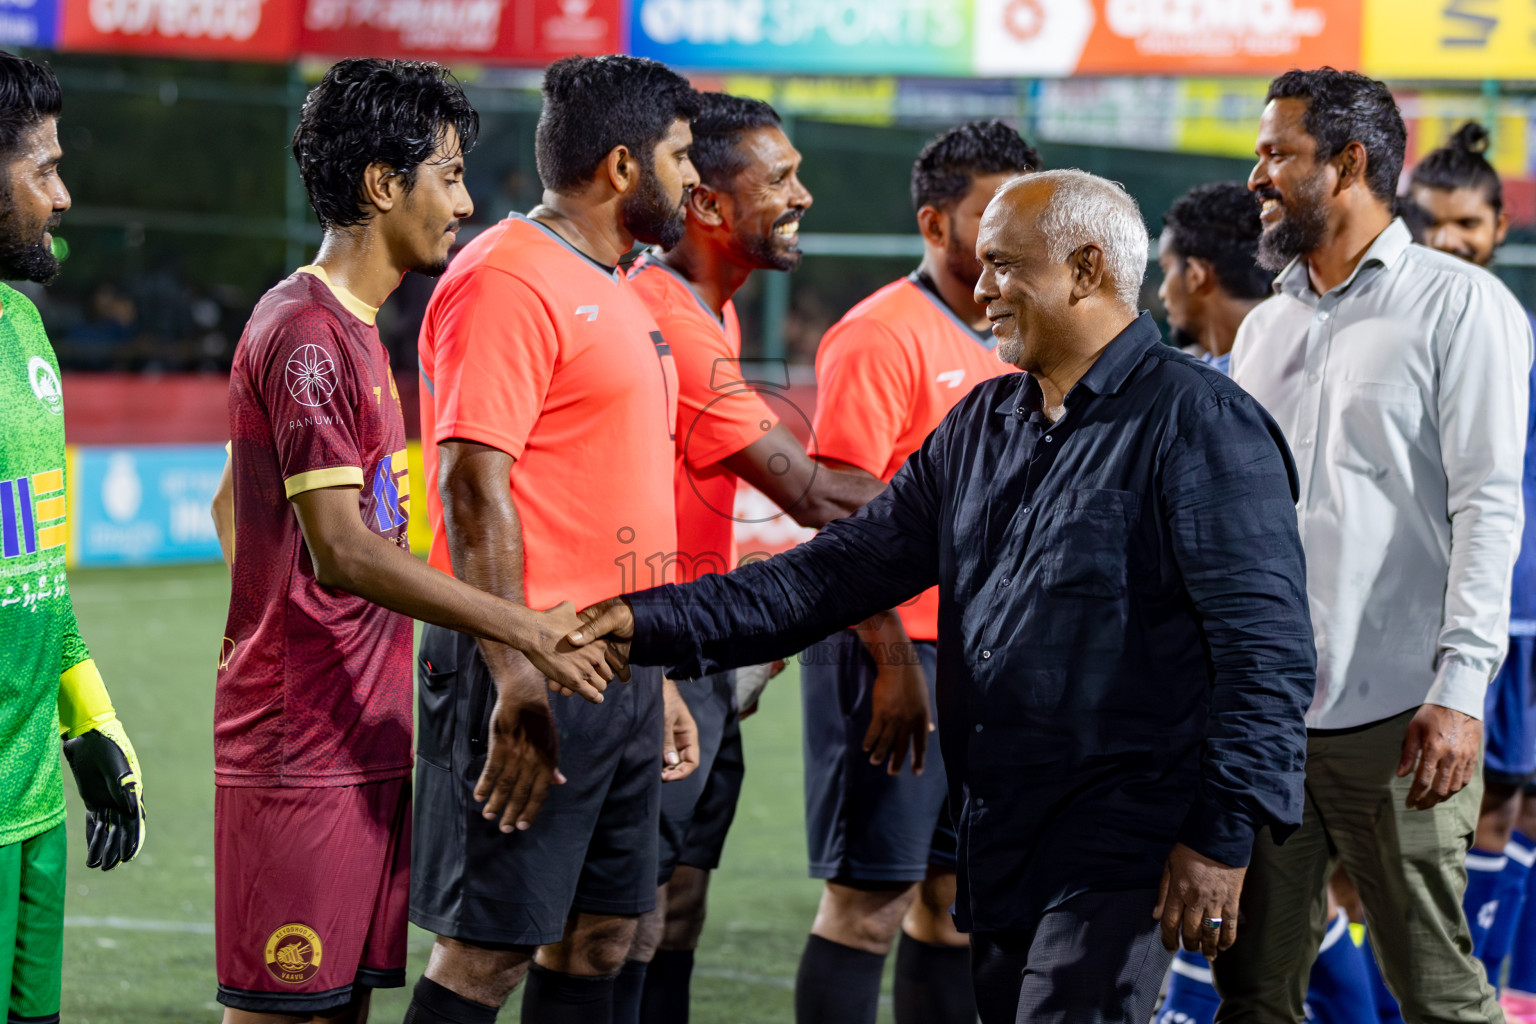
(866, 563)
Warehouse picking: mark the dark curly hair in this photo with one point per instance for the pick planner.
(592, 104)
(947, 166)
(1219, 223)
(1345, 107)
(367, 111)
(29, 93)
(722, 121)
(1460, 163)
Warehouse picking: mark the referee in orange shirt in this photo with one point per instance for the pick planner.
(886, 374)
(548, 410)
(743, 216)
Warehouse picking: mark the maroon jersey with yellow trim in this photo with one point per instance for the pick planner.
(314, 684)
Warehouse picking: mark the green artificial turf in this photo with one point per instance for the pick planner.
(139, 940)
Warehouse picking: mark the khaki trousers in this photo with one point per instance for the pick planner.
(1409, 867)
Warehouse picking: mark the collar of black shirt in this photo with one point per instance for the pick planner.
(1106, 376)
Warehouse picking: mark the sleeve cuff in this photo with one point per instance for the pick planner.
(1222, 835)
(83, 700)
(335, 476)
(1459, 686)
(659, 634)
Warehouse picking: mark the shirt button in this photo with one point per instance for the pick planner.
(1312, 378)
(1049, 439)
(1021, 410)
(980, 802)
(978, 727)
(1027, 510)
(985, 655)
(1006, 581)
(1305, 442)
(1323, 315)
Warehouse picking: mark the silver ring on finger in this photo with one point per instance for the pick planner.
(1211, 924)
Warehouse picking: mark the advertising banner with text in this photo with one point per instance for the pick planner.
(202, 29)
(489, 31)
(29, 23)
(1466, 39)
(144, 504)
(1033, 38)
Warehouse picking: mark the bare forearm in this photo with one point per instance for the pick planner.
(223, 512)
(885, 638)
(379, 571)
(834, 494)
(485, 544)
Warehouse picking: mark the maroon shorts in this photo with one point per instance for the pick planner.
(311, 891)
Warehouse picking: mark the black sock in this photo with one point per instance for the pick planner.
(666, 987)
(431, 1003)
(626, 992)
(837, 984)
(933, 984)
(550, 997)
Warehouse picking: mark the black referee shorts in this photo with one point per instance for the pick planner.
(862, 824)
(696, 812)
(591, 849)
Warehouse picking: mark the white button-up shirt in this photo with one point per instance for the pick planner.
(1403, 394)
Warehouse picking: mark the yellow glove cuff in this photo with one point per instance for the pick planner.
(83, 700)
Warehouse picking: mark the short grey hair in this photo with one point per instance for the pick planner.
(1086, 208)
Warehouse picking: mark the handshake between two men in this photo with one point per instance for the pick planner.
(580, 653)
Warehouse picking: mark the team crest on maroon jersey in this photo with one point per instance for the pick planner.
(311, 375)
(293, 954)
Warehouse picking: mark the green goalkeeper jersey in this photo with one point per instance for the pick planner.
(38, 633)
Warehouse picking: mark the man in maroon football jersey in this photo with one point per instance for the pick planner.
(312, 733)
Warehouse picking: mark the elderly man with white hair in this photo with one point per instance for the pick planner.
(1125, 654)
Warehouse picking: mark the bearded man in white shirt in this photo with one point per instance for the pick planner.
(1398, 375)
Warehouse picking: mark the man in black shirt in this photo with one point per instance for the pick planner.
(1125, 652)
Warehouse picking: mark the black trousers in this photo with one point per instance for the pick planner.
(1096, 959)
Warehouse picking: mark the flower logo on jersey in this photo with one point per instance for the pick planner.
(45, 384)
(311, 375)
(293, 954)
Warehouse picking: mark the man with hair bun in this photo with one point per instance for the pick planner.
(1463, 201)
(1400, 376)
(1125, 654)
(312, 706)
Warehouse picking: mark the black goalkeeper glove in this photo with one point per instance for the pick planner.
(107, 774)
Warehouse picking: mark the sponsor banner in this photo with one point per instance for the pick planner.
(204, 29)
(1458, 39)
(1214, 116)
(1031, 38)
(1219, 37)
(144, 504)
(916, 37)
(494, 31)
(29, 23)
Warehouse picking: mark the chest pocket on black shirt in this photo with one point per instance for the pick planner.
(1085, 543)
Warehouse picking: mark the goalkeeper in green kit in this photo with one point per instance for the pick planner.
(49, 685)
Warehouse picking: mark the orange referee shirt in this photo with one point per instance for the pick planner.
(531, 347)
(886, 374)
(717, 415)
